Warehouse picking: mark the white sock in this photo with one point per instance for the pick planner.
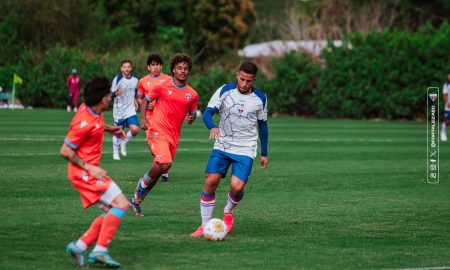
(99, 248)
(116, 142)
(444, 127)
(207, 206)
(232, 202)
(81, 245)
(128, 137)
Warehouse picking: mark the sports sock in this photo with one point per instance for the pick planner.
(147, 182)
(109, 227)
(91, 235)
(116, 142)
(444, 126)
(207, 204)
(232, 201)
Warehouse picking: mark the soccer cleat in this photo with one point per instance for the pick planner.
(443, 135)
(116, 154)
(75, 109)
(103, 258)
(77, 253)
(165, 177)
(135, 208)
(198, 232)
(123, 148)
(228, 218)
(68, 108)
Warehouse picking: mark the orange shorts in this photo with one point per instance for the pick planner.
(91, 189)
(162, 148)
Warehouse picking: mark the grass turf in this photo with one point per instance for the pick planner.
(338, 194)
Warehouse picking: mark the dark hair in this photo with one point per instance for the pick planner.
(249, 68)
(126, 61)
(154, 58)
(95, 90)
(180, 58)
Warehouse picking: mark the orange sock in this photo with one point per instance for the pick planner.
(91, 235)
(109, 226)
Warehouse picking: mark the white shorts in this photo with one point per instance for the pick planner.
(111, 193)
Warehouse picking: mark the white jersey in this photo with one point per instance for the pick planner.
(124, 104)
(446, 91)
(239, 115)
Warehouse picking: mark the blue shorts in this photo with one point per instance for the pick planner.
(132, 120)
(447, 115)
(220, 161)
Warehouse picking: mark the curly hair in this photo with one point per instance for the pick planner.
(96, 89)
(180, 58)
(154, 58)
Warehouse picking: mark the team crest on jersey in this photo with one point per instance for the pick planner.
(433, 97)
(188, 96)
(83, 124)
(170, 92)
(148, 83)
(84, 176)
(240, 109)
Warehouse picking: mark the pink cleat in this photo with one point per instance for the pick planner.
(229, 221)
(198, 232)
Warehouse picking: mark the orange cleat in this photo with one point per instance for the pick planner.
(229, 221)
(198, 232)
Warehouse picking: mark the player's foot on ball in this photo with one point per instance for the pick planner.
(135, 209)
(198, 232)
(165, 177)
(78, 254)
(228, 218)
(123, 148)
(103, 258)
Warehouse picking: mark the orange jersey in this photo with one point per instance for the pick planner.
(85, 137)
(172, 105)
(147, 84)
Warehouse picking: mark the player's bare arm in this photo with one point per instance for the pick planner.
(67, 153)
(115, 130)
(144, 122)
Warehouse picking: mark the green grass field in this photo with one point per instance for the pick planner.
(338, 194)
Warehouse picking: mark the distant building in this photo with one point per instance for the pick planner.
(279, 47)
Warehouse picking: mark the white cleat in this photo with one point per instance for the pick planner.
(116, 155)
(443, 135)
(68, 108)
(123, 149)
(75, 109)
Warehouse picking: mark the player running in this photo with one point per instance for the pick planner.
(241, 108)
(145, 87)
(176, 101)
(123, 90)
(83, 149)
(446, 92)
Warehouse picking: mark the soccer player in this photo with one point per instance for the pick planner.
(124, 87)
(176, 101)
(145, 87)
(243, 112)
(83, 148)
(73, 83)
(445, 92)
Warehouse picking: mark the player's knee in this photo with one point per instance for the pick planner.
(134, 130)
(165, 166)
(121, 202)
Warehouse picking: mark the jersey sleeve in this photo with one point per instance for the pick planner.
(114, 85)
(194, 104)
(141, 89)
(216, 100)
(445, 89)
(262, 114)
(154, 94)
(78, 132)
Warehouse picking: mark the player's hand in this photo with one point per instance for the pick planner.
(144, 124)
(97, 172)
(214, 133)
(190, 117)
(119, 92)
(264, 162)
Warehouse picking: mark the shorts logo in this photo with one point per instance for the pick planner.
(158, 157)
(188, 96)
(84, 176)
(154, 135)
(100, 182)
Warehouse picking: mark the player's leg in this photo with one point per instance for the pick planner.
(75, 101)
(69, 101)
(165, 175)
(216, 169)
(444, 126)
(241, 169)
(116, 139)
(133, 123)
(111, 221)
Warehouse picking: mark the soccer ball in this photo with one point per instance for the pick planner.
(215, 230)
